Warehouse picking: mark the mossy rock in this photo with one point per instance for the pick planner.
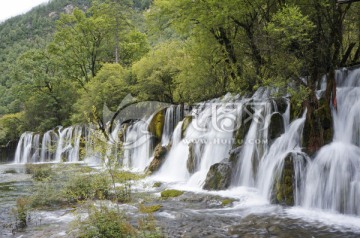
(218, 177)
(227, 202)
(159, 158)
(149, 209)
(234, 155)
(186, 122)
(157, 184)
(170, 193)
(284, 185)
(156, 125)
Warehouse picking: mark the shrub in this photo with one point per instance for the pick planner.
(90, 186)
(39, 172)
(21, 212)
(105, 223)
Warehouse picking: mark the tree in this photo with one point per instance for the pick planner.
(127, 42)
(40, 85)
(79, 44)
(155, 73)
(108, 88)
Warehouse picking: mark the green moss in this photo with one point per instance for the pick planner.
(185, 125)
(170, 193)
(149, 209)
(157, 185)
(227, 202)
(157, 124)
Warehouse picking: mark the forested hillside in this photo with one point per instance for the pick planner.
(61, 62)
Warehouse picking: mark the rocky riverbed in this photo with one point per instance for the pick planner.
(195, 213)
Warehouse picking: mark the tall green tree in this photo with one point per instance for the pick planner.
(79, 44)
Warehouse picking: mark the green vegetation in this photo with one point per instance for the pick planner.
(108, 223)
(70, 58)
(40, 172)
(170, 193)
(149, 209)
(21, 213)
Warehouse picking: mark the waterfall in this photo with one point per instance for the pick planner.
(24, 148)
(174, 168)
(53, 147)
(68, 144)
(252, 152)
(333, 178)
(137, 146)
(272, 164)
(48, 145)
(172, 117)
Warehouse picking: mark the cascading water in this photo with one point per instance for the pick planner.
(174, 167)
(137, 146)
(333, 179)
(272, 164)
(172, 117)
(210, 134)
(252, 152)
(68, 144)
(48, 145)
(24, 149)
(54, 147)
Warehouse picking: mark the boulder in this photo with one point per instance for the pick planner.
(159, 158)
(218, 177)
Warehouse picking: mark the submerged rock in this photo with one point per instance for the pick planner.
(218, 177)
(159, 158)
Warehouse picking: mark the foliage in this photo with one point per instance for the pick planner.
(21, 213)
(39, 172)
(155, 72)
(69, 58)
(109, 87)
(87, 186)
(10, 127)
(105, 223)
